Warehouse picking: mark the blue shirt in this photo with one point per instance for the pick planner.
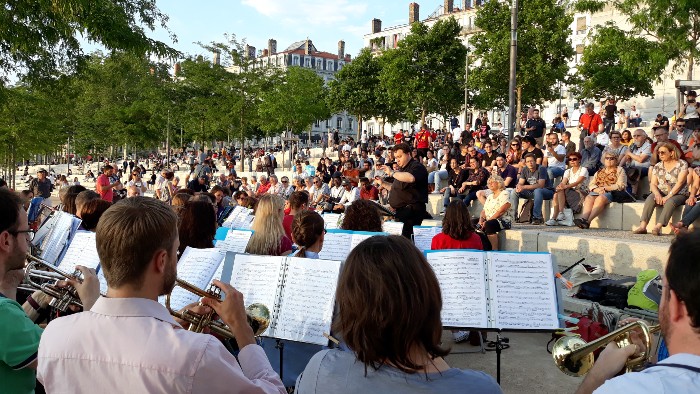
(658, 379)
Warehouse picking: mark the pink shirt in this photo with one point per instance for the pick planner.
(103, 180)
(133, 345)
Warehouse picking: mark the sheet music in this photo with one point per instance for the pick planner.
(103, 284)
(231, 217)
(359, 236)
(332, 220)
(462, 278)
(336, 245)
(307, 301)
(237, 218)
(523, 293)
(81, 251)
(393, 228)
(57, 237)
(258, 279)
(235, 241)
(423, 236)
(247, 222)
(196, 266)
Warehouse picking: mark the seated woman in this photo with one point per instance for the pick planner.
(362, 215)
(575, 178)
(456, 176)
(197, 225)
(691, 212)
(497, 214)
(375, 272)
(457, 229)
(667, 181)
(609, 179)
(268, 236)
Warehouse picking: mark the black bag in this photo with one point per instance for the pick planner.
(525, 215)
(622, 196)
(616, 292)
(593, 290)
(574, 200)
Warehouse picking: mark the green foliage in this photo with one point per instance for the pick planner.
(294, 103)
(425, 74)
(610, 69)
(543, 51)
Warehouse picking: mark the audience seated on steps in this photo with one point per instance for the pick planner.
(456, 176)
(574, 183)
(692, 205)
(509, 174)
(534, 184)
(590, 155)
(636, 160)
(497, 214)
(554, 157)
(604, 184)
(668, 185)
(475, 181)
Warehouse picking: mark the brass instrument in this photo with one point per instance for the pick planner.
(258, 314)
(41, 275)
(575, 357)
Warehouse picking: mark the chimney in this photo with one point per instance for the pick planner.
(413, 15)
(376, 25)
(272, 46)
(449, 6)
(177, 69)
(341, 49)
(249, 52)
(216, 59)
(307, 47)
(348, 58)
(265, 52)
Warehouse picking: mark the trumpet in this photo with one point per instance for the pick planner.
(575, 357)
(258, 314)
(41, 275)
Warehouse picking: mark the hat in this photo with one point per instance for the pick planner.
(345, 182)
(691, 93)
(41, 169)
(337, 174)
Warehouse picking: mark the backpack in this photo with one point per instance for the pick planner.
(525, 215)
(268, 161)
(274, 161)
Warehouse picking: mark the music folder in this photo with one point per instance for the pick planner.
(337, 244)
(496, 290)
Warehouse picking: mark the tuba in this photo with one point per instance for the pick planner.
(574, 356)
(41, 275)
(258, 314)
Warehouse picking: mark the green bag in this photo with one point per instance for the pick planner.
(636, 296)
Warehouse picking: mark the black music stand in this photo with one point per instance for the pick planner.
(280, 345)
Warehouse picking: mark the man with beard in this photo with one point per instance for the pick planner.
(679, 316)
(130, 341)
(19, 335)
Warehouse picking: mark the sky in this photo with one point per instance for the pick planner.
(255, 21)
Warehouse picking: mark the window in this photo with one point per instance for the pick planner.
(307, 62)
(579, 52)
(295, 60)
(319, 64)
(581, 25)
(328, 124)
(350, 123)
(339, 123)
(329, 65)
(317, 123)
(340, 65)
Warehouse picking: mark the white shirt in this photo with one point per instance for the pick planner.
(635, 114)
(551, 160)
(347, 147)
(658, 379)
(573, 177)
(133, 345)
(349, 196)
(456, 134)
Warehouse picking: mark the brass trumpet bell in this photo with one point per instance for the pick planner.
(41, 275)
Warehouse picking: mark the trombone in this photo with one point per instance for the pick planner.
(41, 275)
(575, 357)
(258, 314)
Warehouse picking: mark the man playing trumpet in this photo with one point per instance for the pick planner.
(679, 316)
(128, 342)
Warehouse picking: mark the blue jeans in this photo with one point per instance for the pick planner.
(608, 125)
(446, 197)
(635, 122)
(690, 214)
(555, 172)
(471, 196)
(436, 176)
(539, 195)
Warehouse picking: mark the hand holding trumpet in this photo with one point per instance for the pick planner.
(233, 313)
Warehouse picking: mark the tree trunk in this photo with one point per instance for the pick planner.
(691, 60)
(359, 127)
(422, 117)
(518, 108)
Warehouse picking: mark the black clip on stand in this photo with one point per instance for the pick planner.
(280, 345)
(500, 344)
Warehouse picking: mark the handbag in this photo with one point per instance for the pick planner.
(622, 196)
(574, 200)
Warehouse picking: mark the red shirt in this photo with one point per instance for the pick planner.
(444, 241)
(103, 180)
(398, 137)
(287, 224)
(590, 122)
(371, 194)
(263, 188)
(423, 139)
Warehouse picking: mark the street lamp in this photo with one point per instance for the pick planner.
(513, 63)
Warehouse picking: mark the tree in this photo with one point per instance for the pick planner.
(425, 73)
(40, 38)
(608, 69)
(543, 51)
(673, 24)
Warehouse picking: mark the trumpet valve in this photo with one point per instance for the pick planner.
(214, 291)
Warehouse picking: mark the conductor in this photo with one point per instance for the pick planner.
(409, 191)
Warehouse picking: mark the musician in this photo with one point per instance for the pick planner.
(128, 341)
(19, 336)
(679, 316)
(398, 349)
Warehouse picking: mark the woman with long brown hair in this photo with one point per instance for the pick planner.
(308, 231)
(457, 229)
(197, 225)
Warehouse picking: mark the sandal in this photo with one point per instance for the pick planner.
(640, 231)
(656, 231)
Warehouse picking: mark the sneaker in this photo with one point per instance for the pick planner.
(552, 222)
(460, 336)
(561, 217)
(567, 223)
(537, 221)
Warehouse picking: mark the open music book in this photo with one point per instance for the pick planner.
(199, 267)
(423, 236)
(232, 240)
(337, 244)
(504, 290)
(332, 220)
(240, 218)
(82, 250)
(393, 228)
(55, 234)
(299, 292)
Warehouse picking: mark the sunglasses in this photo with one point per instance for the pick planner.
(663, 152)
(610, 158)
(573, 158)
(285, 181)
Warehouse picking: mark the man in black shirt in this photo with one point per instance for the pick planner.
(199, 185)
(529, 146)
(409, 191)
(41, 186)
(609, 119)
(535, 127)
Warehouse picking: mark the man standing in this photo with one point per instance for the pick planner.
(423, 141)
(129, 339)
(103, 185)
(590, 123)
(679, 316)
(635, 117)
(535, 127)
(409, 191)
(610, 111)
(41, 186)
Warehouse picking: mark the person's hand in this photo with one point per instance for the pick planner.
(196, 308)
(612, 360)
(88, 289)
(690, 201)
(232, 312)
(443, 190)
(518, 188)
(658, 198)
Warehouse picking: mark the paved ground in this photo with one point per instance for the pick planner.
(526, 367)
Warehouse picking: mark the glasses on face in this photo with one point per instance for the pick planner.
(573, 158)
(30, 233)
(513, 144)
(663, 152)
(659, 135)
(610, 158)
(285, 181)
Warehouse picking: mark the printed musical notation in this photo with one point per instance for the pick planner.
(235, 241)
(81, 251)
(307, 300)
(198, 267)
(337, 244)
(393, 228)
(240, 218)
(462, 281)
(332, 220)
(523, 291)
(423, 236)
(61, 225)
